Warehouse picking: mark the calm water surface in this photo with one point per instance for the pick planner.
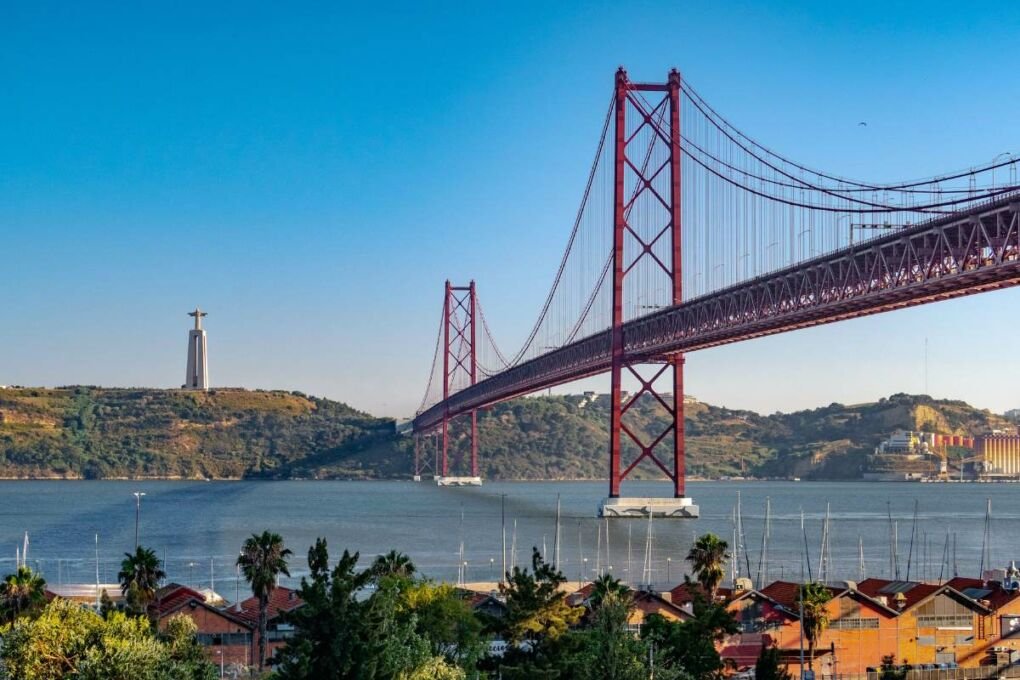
(199, 526)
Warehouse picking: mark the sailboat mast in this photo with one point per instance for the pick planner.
(913, 532)
(556, 540)
(861, 571)
(823, 553)
(806, 558)
(763, 558)
(609, 563)
(986, 539)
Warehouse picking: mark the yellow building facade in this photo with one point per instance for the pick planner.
(1001, 453)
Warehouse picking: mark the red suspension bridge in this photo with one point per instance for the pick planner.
(691, 234)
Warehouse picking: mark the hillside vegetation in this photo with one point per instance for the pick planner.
(95, 433)
(565, 437)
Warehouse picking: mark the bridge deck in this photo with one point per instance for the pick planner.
(961, 254)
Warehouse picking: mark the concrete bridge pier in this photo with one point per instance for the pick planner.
(637, 508)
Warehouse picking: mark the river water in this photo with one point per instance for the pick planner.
(198, 527)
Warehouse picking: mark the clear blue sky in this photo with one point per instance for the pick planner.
(311, 174)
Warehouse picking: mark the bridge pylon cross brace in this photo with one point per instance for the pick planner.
(651, 187)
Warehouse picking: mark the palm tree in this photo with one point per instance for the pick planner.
(21, 593)
(606, 588)
(707, 557)
(140, 575)
(263, 558)
(393, 563)
(814, 597)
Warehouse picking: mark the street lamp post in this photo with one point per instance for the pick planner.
(669, 562)
(138, 511)
(995, 160)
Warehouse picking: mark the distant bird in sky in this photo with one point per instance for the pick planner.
(862, 124)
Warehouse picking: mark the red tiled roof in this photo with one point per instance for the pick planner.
(581, 595)
(683, 595)
(787, 593)
(913, 592)
(658, 601)
(783, 592)
(171, 596)
(280, 600)
(996, 599)
(174, 597)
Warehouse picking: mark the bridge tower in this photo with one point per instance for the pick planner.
(654, 179)
(460, 369)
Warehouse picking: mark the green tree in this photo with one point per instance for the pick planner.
(22, 593)
(263, 558)
(606, 586)
(707, 558)
(69, 641)
(689, 647)
(185, 658)
(140, 575)
(106, 604)
(536, 622)
(340, 634)
(536, 606)
(607, 649)
(393, 563)
(436, 668)
(440, 615)
(768, 666)
(890, 671)
(814, 611)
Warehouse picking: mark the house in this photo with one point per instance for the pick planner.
(643, 604)
(760, 618)
(861, 629)
(223, 633)
(488, 605)
(282, 600)
(936, 624)
(1000, 644)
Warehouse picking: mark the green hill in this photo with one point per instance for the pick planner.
(93, 433)
(565, 437)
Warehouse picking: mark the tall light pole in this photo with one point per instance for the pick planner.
(502, 514)
(138, 511)
(1005, 154)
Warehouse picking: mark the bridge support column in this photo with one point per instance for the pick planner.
(641, 180)
(426, 455)
(460, 369)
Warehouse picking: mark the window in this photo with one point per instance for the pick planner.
(223, 639)
(850, 616)
(944, 612)
(854, 623)
(946, 621)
